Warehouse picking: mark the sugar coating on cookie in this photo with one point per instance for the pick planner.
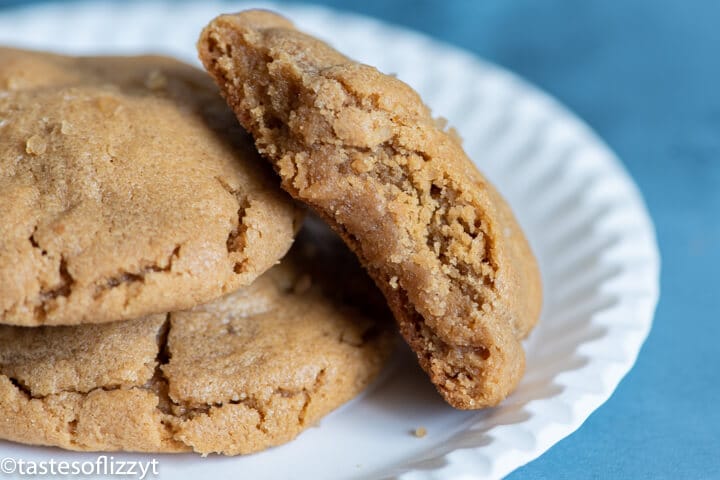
(363, 150)
(246, 372)
(127, 188)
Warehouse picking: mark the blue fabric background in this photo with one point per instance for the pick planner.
(645, 74)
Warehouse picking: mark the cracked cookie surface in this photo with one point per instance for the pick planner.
(127, 189)
(362, 149)
(235, 376)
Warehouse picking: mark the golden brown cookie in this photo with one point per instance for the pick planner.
(362, 149)
(127, 189)
(246, 372)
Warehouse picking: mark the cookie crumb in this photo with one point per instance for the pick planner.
(393, 283)
(454, 135)
(156, 80)
(362, 163)
(420, 432)
(35, 145)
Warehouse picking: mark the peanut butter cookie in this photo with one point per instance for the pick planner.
(364, 152)
(127, 188)
(248, 371)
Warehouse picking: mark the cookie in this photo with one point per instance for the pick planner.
(127, 189)
(248, 371)
(364, 152)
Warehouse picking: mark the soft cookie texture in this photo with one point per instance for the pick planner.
(249, 371)
(363, 150)
(126, 189)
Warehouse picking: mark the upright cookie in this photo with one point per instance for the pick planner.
(362, 149)
(246, 372)
(127, 189)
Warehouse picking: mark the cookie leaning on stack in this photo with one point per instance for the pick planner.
(363, 151)
(128, 191)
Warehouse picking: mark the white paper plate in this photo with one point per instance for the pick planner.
(583, 215)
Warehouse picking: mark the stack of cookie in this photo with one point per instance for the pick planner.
(142, 303)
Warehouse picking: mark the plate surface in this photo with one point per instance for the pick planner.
(582, 213)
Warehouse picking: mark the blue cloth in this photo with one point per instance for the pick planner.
(646, 76)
